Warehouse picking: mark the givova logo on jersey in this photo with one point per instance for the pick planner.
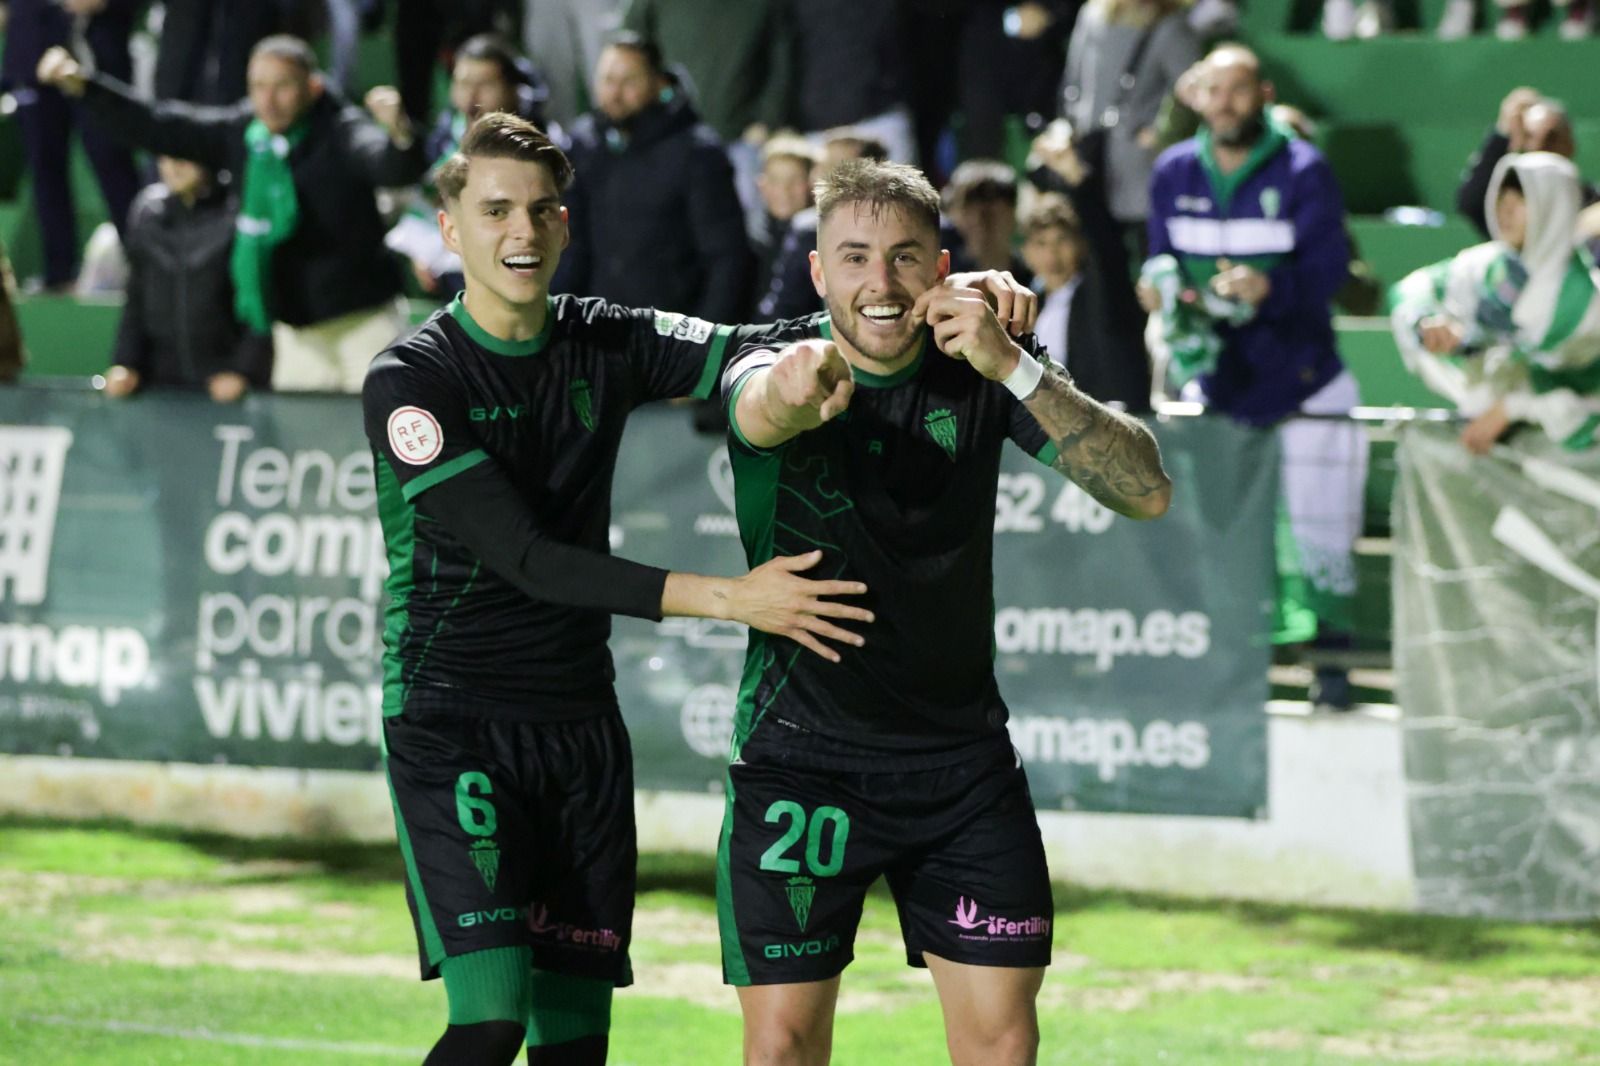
(33, 464)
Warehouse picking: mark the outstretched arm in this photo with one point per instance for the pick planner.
(483, 512)
(805, 385)
(206, 135)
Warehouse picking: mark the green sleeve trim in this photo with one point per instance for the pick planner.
(1048, 454)
(709, 373)
(1572, 303)
(733, 415)
(417, 486)
(1584, 436)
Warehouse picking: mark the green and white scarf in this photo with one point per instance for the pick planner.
(1189, 316)
(268, 213)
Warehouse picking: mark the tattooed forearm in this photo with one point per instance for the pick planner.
(1113, 457)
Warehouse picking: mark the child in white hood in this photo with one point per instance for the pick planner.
(1510, 330)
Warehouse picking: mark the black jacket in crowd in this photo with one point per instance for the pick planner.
(335, 262)
(1474, 186)
(1104, 347)
(205, 47)
(787, 291)
(178, 326)
(655, 218)
(851, 61)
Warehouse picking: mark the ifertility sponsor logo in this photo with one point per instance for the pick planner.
(539, 924)
(976, 926)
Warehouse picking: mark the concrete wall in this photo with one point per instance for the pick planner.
(1336, 834)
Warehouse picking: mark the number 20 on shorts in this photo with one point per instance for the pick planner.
(829, 822)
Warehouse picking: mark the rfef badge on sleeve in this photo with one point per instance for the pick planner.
(415, 436)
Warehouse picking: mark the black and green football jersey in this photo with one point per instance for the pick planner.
(536, 425)
(898, 492)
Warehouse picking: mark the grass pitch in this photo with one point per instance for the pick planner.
(137, 946)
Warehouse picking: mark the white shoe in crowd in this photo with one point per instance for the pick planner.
(1457, 20)
(1339, 19)
(1375, 19)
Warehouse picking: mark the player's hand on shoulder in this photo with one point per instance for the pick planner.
(1015, 305)
(964, 327)
(810, 384)
(775, 599)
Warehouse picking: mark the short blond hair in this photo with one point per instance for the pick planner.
(790, 146)
(880, 186)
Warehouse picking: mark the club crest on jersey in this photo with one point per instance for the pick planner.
(942, 425)
(801, 891)
(582, 397)
(415, 436)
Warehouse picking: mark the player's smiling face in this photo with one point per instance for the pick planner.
(509, 228)
(871, 264)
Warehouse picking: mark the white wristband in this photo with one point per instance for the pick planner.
(1023, 380)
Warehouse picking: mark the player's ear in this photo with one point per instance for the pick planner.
(944, 263)
(447, 230)
(817, 280)
(566, 228)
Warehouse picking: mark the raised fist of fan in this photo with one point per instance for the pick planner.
(57, 68)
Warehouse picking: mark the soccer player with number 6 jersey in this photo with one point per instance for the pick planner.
(495, 429)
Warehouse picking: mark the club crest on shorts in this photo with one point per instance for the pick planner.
(942, 425)
(801, 891)
(415, 436)
(486, 857)
(582, 397)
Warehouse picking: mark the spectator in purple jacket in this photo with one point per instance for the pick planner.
(1248, 248)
